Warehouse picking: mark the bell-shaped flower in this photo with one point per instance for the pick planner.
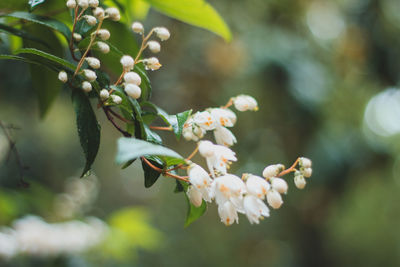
(279, 185)
(255, 209)
(198, 177)
(274, 199)
(245, 102)
(224, 136)
(257, 186)
(273, 170)
(194, 196)
(228, 214)
(228, 188)
(205, 120)
(223, 116)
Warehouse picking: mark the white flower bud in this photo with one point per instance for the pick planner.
(206, 149)
(305, 162)
(104, 48)
(77, 37)
(113, 13)
(274, 199)
(245, 102)
(93, 62)
(93, 3)
(307, 172)
(83, 3)
(162, 33)
(137, 27)
(299, 180)
(104, 94)
(279, 185)
(257, 186)
(71, 3)
(104, 34)
(116, 99)
(224, 136)
(98, 12)
(133, 90)
(273, 170)
(86, 86)
(90, 75)
(62, 76)
(127, 62)
(90, 20)
(228, 214)
(194, 196)
(132, 77)
(154, 46)
(151, 63)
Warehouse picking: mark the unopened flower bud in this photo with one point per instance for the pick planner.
(206, 149)
(151, 63)
(273, 170)
(279, 185)
(305, 162)
(93, 3)
(71, 4)
(299, 180)
(104, 34)
(274, 199)
(127, 62)
(98, 12)
(77, 37)
(132, 77)
(90, 75)
(83, 3)
(194, 196)
(154, 46)
(62, 76)
(245, 102)
(116, 99)
(93, 62)
(162, 33)
(307, 172)
(113, 13)
(90, 20)
(133, 90)
(86, 86)
(104, 48)
(137, 27)
(104, 94)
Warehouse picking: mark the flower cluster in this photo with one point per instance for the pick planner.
(218, 120)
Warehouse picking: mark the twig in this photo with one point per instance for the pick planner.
(291, 169)
(111, 119)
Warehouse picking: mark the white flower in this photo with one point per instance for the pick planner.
(90, 20)
(104, 48)
(255, 209)
(151, 63)
(137, 27)
(274, 199)
(132, 77)
(93, 3)
(127, 62)
(93, 62)
(77, 37)
(257, 186)
(279, 185)
(62, 76)
(206, 148)
(228, 214)
(307, 172)
(104, 94)
(113, 13)
(98, 12)
(223, 116)
(273, 170)
(305, 162)
(104, 34)
(192, 131)
(133, 90)
(71, 4)
(162, 33)
(83, 3)
(245, 102)
(198, 177)
(221, 160)
(299, 180)
(90, 75)
(224, 137)
(116, 99)
(205, 120)
(86, 86)
(154, 46)
(228, 187)
(194, 196)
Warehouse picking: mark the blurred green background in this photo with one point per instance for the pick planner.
(325, 76)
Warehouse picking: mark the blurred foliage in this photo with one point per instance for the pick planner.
(313, 66)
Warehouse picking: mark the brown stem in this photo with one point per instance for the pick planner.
(119, 116)
(289, 170)
(71, 42)
(111, 119)
(230, 103)
(180, 166)
(161, 128)
(166, 173)
(120, 78)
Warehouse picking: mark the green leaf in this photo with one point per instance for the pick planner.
(193, 212)
(131, 148)
(196, 12)
(21, 33)
(88, 128)
(34, 3)
(56, 61)
(182, 118)
(48, 22)
(12, 57)
(151, 176)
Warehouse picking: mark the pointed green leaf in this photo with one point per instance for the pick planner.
(21, 33)
(193, 212)
(151, 176)
(56, 61)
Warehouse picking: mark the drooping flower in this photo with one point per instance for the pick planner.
(162, 33)
(299, 180)
(245, 102)
(279, 185)
(257, 186)
(224, 136)
(274, 199)
(194, 196)
(272, 170)
(205, 120)
(224, 117)
(228, 187)
(228, 214)
(255, 209)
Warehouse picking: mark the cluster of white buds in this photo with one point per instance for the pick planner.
(305, 171)
(217, 120)
(131, 86)
(232, 194)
